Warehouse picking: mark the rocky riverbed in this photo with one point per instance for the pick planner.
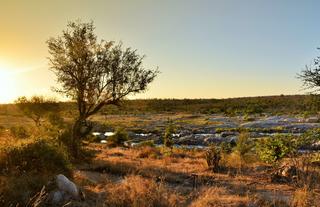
(203, 130)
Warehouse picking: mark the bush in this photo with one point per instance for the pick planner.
(37, 156)
(243, 145)
(27, 166)
(227, 147)
(213, 157)
(167, 138)
(272, 149)
(19, 132)
(118, 138)
(17, 191)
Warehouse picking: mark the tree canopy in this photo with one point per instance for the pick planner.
(311, 75)
(93, 72)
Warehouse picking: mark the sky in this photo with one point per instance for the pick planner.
(204, 49)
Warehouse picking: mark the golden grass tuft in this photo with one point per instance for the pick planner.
(218, 197)
(136, 191)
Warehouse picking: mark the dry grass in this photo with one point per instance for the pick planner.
(218, 197)
(136, 191)
(187, 174)
(304, 198)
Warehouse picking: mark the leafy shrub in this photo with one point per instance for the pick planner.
(167, 138)
(19, 132)
(243, 145)
(37, 156)
(118, 138)
(272, 149)
(227, 147)
(213, 157)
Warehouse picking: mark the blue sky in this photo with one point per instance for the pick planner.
(204, 49)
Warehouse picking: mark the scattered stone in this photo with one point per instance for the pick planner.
(58, 197)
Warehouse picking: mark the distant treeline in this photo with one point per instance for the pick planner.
(283, 104)
(293, 104)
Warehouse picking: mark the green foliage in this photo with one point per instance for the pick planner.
(118, 138)
(226, 147)
(94, 73)
(272, 149)
(213, 157)
(243, 145)
(310, 137)
(36, 156)
(19, 132)
(167, 138)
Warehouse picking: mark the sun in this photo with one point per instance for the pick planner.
(7, 89)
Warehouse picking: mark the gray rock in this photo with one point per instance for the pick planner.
(58, 197)
(67, 186)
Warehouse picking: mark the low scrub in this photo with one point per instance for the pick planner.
(27, 166)
(149, 152)
(38, 156)
(272, 149)
(213, 157)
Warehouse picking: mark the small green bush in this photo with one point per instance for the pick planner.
(272, 149)
(19, 132)
(227, 147)
(118, 138)
(243, 145)
(167, 138)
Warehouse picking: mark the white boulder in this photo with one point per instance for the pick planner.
(67, 186)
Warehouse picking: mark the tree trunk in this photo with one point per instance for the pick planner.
(76, 137)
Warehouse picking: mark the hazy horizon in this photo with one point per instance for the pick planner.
(204, 49)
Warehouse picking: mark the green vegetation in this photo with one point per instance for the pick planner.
(26, 166)
(272, 149)
(38, 156)
(243, 146)
(167, 138)
(118, 138)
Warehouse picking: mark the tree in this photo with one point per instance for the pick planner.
(37, 107)
(311, 75)
(94, 73)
